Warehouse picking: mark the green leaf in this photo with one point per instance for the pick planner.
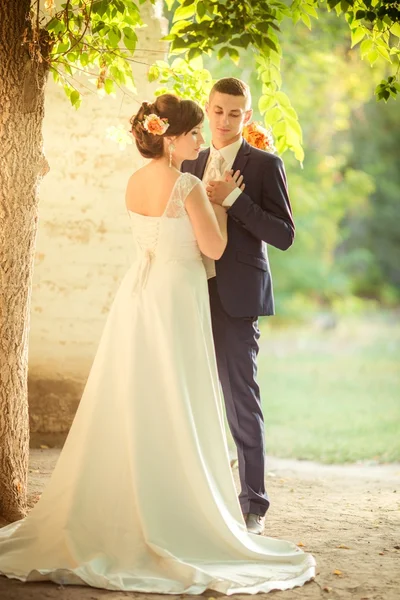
(130, 33)
(294, 125)
(288, 111)
(178, 44)
(268, 42)
(195, 58)
(266, 102)
(63, 47)
(382, 49)
(386, 95)
(56, 75)
(306, 20)
(273, 115)
(299, 154)
(55, 25)
(67, 89)
(118, 75)
(109, 86)
(114, 37)
(295, 15)
(365, 47)
(153, 73)
(263, 26)
(179, 26)
(120, 6)
(99, 7)
(238, 42)
(222, 52)
(184, 12)
(234, 54)
(357, 35)
(246, 39)
(310, 9)
(201, 9)
(372, 56)
(75, 98)
(129, 42)
(280, 129)
(98, 27)
(209, 5)
(283, 99)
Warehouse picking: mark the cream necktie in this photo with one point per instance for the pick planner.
(213, 173)
(214, 170)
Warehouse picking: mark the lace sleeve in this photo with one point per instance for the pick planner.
(184, 185)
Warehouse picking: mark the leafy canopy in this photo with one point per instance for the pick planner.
(97, 38)
(232, 28)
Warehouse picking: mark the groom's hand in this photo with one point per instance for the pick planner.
(217, 191)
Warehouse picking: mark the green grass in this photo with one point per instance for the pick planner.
(332, 396)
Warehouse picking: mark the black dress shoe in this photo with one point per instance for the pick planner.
(255, 523)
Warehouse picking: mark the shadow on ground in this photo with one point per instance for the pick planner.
(348, 517)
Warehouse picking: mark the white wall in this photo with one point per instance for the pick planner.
(83, 244)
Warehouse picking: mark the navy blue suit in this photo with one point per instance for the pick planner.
(239, 294)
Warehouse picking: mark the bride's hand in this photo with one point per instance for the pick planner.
(217, 191)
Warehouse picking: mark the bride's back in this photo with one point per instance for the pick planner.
(157, 195)
(149, 190)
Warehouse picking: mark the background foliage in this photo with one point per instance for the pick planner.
(345, 196)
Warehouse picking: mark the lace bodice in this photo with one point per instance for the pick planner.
(167, 237)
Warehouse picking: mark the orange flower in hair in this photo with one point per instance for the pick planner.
(259, 137)
(155, 124)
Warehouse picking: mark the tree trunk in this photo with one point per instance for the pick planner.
(22, 163)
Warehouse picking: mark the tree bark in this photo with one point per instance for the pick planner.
(22, 164)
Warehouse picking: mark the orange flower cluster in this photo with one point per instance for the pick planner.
(259, 137)
(155, 125)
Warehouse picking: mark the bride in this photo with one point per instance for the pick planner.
(142, 497)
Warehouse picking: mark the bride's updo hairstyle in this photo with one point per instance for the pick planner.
(182, 117)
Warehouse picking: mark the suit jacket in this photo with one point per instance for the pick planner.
(260, 215)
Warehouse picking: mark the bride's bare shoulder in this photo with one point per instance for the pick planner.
(153, 176)
(138, 176)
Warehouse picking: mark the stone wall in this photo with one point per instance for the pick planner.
(83, 245)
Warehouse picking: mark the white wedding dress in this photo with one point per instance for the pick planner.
(142, 497)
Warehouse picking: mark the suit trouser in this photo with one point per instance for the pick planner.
(236, 347)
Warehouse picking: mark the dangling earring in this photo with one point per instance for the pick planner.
(171, 148)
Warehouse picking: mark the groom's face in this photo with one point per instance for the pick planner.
(227, 115)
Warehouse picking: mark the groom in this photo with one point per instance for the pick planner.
(240, 283)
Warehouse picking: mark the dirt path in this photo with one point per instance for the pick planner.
(348, 517)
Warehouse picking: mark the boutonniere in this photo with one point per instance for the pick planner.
(259, 137)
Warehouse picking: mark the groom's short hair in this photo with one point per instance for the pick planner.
(233, 87)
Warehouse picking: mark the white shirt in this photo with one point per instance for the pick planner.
(226, 157)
